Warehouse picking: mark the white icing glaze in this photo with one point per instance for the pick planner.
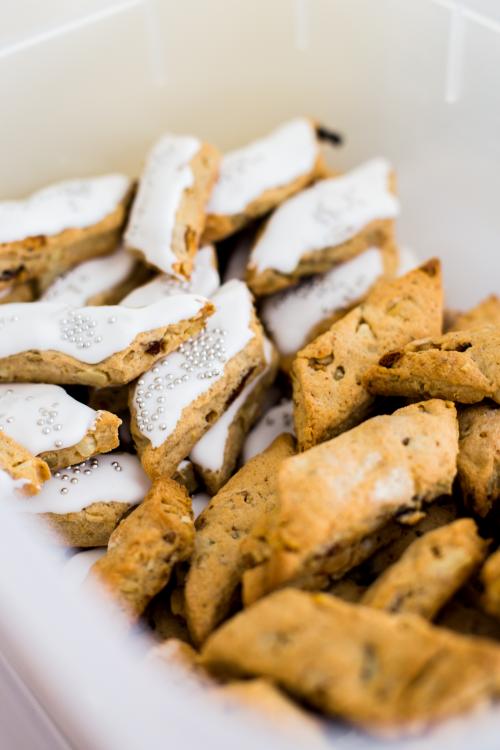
(162, 393)
(209, 450)
(277, 420)
(86, 280)
(291, 315)
(407, 261)
(199, 502)
(325, 215)
(76, 569)
(90, 334)
(73, 204)
(43, 417)
(166, 176)
(204, 280)
(10, 488)
(270, 162)
(96, 480)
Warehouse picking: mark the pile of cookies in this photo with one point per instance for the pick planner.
(227, 387)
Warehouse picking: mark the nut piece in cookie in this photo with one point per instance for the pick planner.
(21, 473)
(49, 342)
(342, 658)
(334, 220)
(462, 366)
(336, 495)
(60, 226)
(479, 456)
(144, 548)
(430, 571)
(218, 561)
(168, 213)
(257, 177)
(328, 392)
(486, 312)
(174, 403)
(216, 454)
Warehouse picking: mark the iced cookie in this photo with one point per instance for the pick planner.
(334, 496)
(328, 392)
(174, 403)
(216, 454)
(257, 177)
(18, 293)
(486, 312)
(168, 213)
(430, 571)
(218, 562)
(50, 342)
(204, 281)
(83, 504)
(331, 221)
(462, 366)
(60, 226)
(144, 548)
(490, 579)
(21, 473)
(297, 315)
(387, 673)
(276, 420)
(54, 426)
(479, 456)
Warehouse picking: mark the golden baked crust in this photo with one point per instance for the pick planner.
(20, 464)
(328, 392)
(19, 293)
(101, 438)
(490, 578)
(487, 312)
(90, 527)
(479, 456)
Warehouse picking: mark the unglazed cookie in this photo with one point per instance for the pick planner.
(218, 561)
(216, 454)
(53, 425)
(168, 213)
(486, 312)
(275, 421)
(173, 404)
(354, 484)
(83, 504)
(144, 548)
(328, 392)
(335, 219)
(99, 346)
(341, 658)
(21, 473)
(463, 366)
(257, 177)
(479, 456)
(430, 571)
(60, 226)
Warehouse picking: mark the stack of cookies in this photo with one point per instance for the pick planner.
(230, 395)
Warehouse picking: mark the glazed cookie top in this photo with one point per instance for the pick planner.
(86, 280)
(111, 477)
(270, 162)
(167, 174)
(90, 334)
(327, 214)
(277, 420)
(43, 417)
(162, 393)
(291, 315)
(73, 204)
(204, 280)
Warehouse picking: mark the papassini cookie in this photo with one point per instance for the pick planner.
(60, 226)
(174, 403)
(334, 220)
(257, 177)
(204, 281)
(341, 658)
(21, 473)
(276, 420)
(463, 366)
(218, 560)
(168, 212)
(430, 571)
(299, 314)
(479, 456)
(390, 466)
(81, 505)
(146, 546)
(328, 391)
(108, 345)
(51, 424)
(24, 292)
(486, 312)
(490, 579)
(216, 453)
